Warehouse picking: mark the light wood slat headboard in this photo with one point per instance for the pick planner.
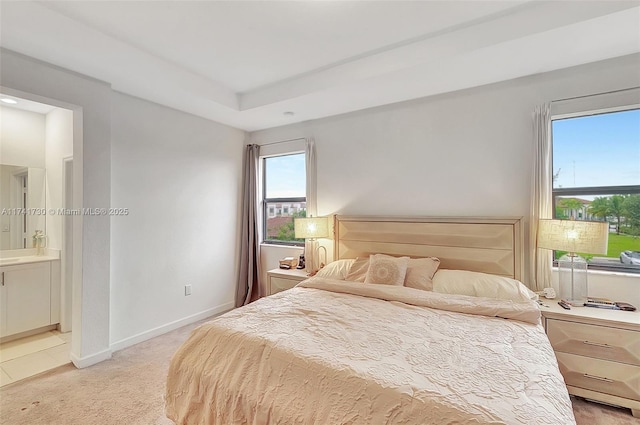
(488, 245)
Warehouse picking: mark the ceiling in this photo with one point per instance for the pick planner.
(25, 105)
(246, 63)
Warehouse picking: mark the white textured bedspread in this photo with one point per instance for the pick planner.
(333, 352)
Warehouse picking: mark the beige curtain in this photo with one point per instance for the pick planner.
(248, 288)
(541, 206)
(311, 247)
(310, 165)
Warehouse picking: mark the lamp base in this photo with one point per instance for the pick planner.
(311, 250)
(572, 278)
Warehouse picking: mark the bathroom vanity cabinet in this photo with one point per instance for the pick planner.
(27, 297)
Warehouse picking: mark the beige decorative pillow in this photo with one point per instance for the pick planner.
(420, 273)
(358, 270)
(386, 270)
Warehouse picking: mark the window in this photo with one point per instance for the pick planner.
(596, 176)
(284, 180)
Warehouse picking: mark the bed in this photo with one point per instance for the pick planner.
(335, 351)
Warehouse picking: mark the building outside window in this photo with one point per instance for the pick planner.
(284, 180)
(596, 176)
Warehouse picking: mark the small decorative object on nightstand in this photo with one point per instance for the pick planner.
(288, 263)
(280, 280)
(598, 352)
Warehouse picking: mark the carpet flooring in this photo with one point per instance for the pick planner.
(129, 389)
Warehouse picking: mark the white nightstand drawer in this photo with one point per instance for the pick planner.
(282, 279)
(607, 377)
(619, 345)
(279, 284)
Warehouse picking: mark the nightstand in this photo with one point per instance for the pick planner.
(281, 279)
(598, 352)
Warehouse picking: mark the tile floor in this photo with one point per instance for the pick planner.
(28, 356)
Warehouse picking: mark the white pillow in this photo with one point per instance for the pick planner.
(386, 270)
(358, 270)
(476, 284)
(336, 269)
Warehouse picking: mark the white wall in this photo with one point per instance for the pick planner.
(58, 145)
(467, 153)
(22, 136)
(180, 177)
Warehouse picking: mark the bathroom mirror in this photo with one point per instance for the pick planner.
(22, 203)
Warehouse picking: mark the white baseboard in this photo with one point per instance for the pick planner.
(90, 360)
(152, 333)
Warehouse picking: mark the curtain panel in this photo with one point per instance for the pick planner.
(540, 260)
(311, 247)
(310, 165)
(248, 288)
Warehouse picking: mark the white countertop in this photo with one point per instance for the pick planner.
(26, 259)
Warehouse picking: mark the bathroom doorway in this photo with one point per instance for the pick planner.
(36, 254)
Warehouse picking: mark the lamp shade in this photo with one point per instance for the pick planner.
(589, 237)
(311, 227)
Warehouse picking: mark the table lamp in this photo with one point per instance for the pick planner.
(311, 228)
(589, 237)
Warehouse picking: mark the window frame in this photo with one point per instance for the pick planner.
(266, 201)
(593, 190)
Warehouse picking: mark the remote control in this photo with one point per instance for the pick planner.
(601, 303)
(564, 305)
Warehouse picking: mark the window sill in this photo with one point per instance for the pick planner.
(278, 245)
(605, 273)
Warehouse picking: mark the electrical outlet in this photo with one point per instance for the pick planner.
(187, 290)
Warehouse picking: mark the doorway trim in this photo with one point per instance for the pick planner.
(16, 193)
(66, 260)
